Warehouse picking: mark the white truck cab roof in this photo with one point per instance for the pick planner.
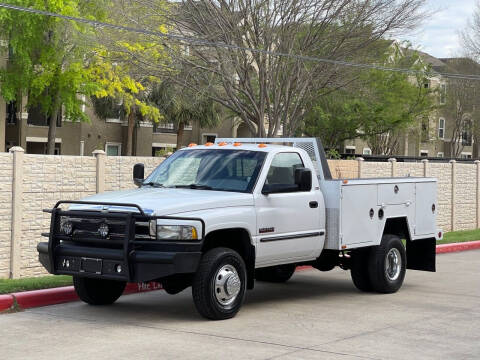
(241, 146)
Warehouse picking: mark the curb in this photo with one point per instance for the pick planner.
(6, 302)
(37, 298)
(448, 248)
(60, 295)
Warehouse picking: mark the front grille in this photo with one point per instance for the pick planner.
(91, 226)
(87, 230)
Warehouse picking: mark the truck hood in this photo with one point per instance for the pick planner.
(167, 201)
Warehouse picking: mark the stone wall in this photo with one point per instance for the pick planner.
(42, 180)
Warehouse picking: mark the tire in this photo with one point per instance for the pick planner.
(275, 274)
(98, 291)
(387, 265)
(359, 269)
(219, 285)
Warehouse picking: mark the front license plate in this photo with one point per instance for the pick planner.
(93, 266)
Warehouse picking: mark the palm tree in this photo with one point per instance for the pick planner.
(182, 107)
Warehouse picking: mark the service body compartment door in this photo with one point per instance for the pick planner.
(357, 226)
(396, 194)
(426, 208)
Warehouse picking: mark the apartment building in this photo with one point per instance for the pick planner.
(438, 135)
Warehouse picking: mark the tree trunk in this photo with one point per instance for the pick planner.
(130, 129)
(180, 130)
(52, 126)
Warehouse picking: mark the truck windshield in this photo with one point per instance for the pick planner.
(204, 169)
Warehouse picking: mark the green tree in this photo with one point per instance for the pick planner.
(376, 107)
(124, 61)
(183, 107)
(47, 61)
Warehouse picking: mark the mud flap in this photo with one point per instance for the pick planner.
(421, 255)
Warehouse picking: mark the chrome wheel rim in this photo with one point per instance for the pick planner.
(227, 285)
(393, 264)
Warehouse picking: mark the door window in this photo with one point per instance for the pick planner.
(282, 170)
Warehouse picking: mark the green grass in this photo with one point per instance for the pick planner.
(44, 282)
(460, 236)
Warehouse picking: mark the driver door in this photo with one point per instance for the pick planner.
(288, 223)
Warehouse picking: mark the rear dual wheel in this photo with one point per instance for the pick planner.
(381, 268)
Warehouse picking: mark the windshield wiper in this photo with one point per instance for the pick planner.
(153, 184)
(194, 186)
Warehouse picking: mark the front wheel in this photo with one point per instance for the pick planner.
(98, 291)
(219, 284)
(387, 265)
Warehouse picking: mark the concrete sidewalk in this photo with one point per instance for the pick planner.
(314, 316)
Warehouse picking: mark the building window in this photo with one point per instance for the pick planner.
(443, 94)
(188, 127)
(209, 138)
(113, 149)
(426, 85)
(367, 151)
(441, 128)
(424, 153)
(466, 155)
(350, 150)
(467, 134)
(440, 154)
(163, 127)
(162, 149)
(12, 112)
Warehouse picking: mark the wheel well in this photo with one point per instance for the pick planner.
(397, 226)
(237, 239)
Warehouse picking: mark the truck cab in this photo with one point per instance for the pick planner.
(219, 216)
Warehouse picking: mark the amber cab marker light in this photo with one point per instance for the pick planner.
(237, 144)
(209, 144)
(262, 145)
(192, 145)
(222, 143)
(345, 181)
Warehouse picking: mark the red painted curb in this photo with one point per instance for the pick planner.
(36, 298)
(6, 302)
(448, 248)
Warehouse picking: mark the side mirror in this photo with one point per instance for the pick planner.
(303, 178)
(138, 174)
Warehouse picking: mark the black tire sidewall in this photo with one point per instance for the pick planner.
(376, 269)
(98, 291)
(359, 270)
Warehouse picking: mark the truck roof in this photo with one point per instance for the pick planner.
(249, 147)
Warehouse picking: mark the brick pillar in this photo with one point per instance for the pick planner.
(393, 163)
(17, 195)
(477, 163)
(101, 158)
(360, 161)
(453, 172)
(425, 167)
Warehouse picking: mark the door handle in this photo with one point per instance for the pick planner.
(313, 204)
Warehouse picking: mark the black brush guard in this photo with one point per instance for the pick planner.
(139, 259)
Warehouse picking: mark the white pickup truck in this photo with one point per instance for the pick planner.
(218, 216)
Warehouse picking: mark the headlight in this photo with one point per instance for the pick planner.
(176, 232)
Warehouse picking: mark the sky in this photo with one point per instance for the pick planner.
(438, 35)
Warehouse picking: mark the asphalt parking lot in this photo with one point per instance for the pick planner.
(314, 316)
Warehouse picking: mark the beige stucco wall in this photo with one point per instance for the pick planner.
(47, 179)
